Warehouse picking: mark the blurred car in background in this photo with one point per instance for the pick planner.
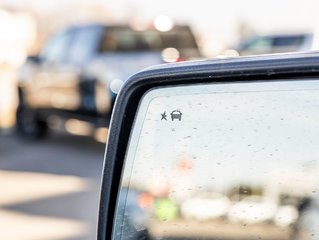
(279, 43)
(81, 69)
(253, 209)
(205, 206)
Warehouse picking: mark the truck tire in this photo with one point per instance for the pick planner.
(28, 124)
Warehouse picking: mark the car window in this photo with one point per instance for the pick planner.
(273, 44)
(124, 39)
(179, 38)
(84, 45)
(289, 41)
(257, 45)
(57, 49)
(217, 161)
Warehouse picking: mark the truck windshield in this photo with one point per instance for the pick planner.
(125, 39)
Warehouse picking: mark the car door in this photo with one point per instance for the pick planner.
(83, 51)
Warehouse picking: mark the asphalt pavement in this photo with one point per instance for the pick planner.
(49, 189)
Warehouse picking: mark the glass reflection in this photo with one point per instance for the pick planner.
(235, 161)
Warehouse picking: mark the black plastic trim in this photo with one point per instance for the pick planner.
(262, 68)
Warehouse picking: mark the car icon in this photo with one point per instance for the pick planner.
(176, 114)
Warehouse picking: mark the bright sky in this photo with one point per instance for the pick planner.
(217, 22)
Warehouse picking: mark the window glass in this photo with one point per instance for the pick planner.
(84, 44)
(57, 48)
(274, 44)
(258, 45)
(223, 161)
(288, 41)
(124, 39)
(179, 38)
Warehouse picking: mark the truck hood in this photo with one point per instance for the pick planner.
(108, 67)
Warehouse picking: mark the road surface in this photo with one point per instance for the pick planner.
(50, 188)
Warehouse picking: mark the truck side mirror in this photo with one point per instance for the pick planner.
(219, 149)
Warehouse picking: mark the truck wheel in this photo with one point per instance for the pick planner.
(28, 125)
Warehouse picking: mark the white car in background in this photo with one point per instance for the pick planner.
(205, 206)
(253, 209)
(286, 216)
(278, 43)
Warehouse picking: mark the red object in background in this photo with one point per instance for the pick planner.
(185, 165)
(180, 60)
(145, 200)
